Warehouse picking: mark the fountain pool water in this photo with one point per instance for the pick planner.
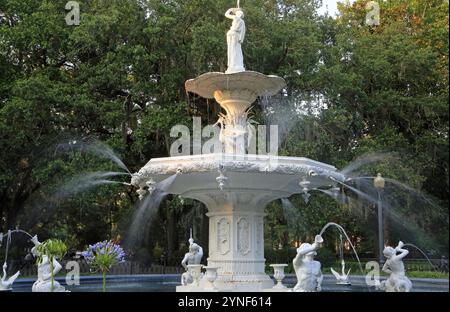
(169, 282)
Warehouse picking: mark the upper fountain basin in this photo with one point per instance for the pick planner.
(207, 85)
(257, 172)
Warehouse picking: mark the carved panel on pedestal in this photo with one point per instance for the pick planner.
(223, 236)
(243, 236)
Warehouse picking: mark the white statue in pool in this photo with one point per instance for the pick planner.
(235, 38)
(342, 279)
(44, 281)
(6, 284)
(308, 270)
(397, 281)
(194, 256)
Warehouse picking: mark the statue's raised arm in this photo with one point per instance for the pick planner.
(403, 252)
(230, 13)
(307, 249)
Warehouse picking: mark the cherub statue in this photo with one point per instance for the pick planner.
(44, 281)
(397, 281)
(308, 271)
(194, 256)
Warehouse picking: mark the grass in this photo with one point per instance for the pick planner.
(427, 274)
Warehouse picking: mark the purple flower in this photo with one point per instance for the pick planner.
(104, 255)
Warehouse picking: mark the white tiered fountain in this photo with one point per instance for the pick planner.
(236, 186)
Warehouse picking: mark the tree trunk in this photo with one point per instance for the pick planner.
(386, 226)
(204, 226)
(2, 199)
(170, 234)
(18, 203)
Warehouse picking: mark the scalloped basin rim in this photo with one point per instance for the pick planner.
(263, 85)
(250, 158)
(208, 165)
(243, 173)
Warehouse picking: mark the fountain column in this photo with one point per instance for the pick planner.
(236, 239)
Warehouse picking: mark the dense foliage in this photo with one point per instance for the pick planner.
(119, 77)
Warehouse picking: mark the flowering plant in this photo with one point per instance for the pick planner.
(54, 249)
(104, 255)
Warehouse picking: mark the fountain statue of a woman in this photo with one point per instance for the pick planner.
(44, 281)
(308, 271)
(235, 38)
(397, 281)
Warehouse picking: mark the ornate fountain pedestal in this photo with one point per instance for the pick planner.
(236, 240)
(236, 244)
